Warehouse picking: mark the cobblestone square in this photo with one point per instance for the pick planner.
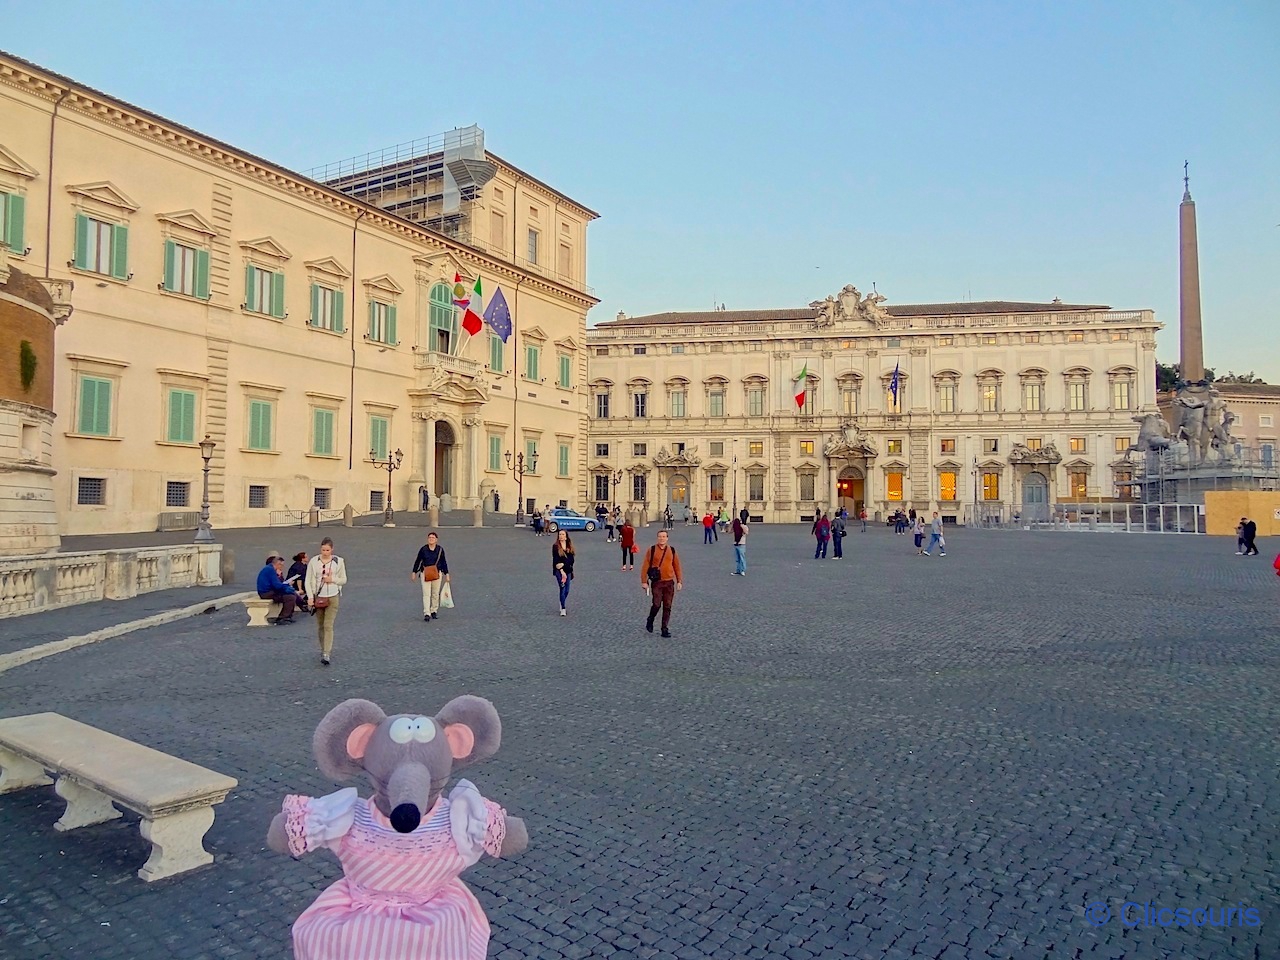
(880, 756)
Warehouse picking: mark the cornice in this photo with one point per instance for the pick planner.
(150, 126)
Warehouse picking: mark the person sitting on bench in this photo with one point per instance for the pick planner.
(272, 587)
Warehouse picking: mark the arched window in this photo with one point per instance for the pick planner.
(443, 335)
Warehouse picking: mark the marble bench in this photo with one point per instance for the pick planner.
(261, 612)
(95, 769)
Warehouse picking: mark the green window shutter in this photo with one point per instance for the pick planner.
(373, 312)
(14, 207)
(495, 354)
(259, 425)
(391, 326)
(378, 437)
(202, 274)
(339, 300)
(323, 429)
(95, 406)
(175, 417)
(250, 288)
(255, 424)
(315, 305)
(120, 251)
(82, 241)
(564, 371)
(530, 448)
(189, 417)
(277, 295)
(266, 426)
(170, 255)
(88, 404)
(564, 459)
(495, 453)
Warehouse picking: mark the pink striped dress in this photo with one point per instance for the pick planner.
(400, 897)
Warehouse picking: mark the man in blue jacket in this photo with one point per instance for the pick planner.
(272, 587)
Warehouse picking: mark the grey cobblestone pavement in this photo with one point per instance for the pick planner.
(882, 756)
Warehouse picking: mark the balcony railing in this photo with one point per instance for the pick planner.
(430, 359)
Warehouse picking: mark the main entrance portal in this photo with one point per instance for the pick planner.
(442, 459)
(1035, 498)
(679, 496)
(851, 490)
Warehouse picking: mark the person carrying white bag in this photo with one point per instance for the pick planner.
(431, 566)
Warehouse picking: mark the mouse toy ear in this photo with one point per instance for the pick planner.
(343, 736)
(472, 728)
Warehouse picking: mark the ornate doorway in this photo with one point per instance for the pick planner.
(851, 490)
(1035, 497)
(443, 460)
(678, 495)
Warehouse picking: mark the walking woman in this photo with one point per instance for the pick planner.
(326, 575)
(562, 566)
(431, 565)
(627, 534)
(918, 531)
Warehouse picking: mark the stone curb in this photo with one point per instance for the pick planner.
(16, 659)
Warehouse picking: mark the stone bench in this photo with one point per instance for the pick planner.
(95, 769)
(261, 612)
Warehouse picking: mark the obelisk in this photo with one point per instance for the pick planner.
(1192, 337)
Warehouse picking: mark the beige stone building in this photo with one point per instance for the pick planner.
(1001, 407)
(308, 328)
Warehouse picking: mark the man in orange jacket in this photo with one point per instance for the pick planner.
(661, 577)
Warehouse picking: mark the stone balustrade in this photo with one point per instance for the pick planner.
(32, 583)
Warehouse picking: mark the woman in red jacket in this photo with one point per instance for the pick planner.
(627, 533)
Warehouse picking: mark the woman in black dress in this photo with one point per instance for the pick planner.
(299, 570)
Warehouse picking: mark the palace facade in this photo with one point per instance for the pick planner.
(1000, 408)
(305, 325)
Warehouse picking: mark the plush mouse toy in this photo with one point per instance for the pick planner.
(403, 848)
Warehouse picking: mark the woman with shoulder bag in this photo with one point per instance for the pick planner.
(433, 568)
(326, 576)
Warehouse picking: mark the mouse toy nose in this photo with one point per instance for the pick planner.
(405, 818)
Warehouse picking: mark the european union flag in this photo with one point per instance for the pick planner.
(894, 384)
(497, 315)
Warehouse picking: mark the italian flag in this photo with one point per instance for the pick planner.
(802, 384)
(471, 321)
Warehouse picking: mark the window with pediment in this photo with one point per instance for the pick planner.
(1032, 381)
(677, 397)
(1123, 382)
(945, 386)
(989, 382)
(850, 386)
(715, 389)
(755, 389)
(1077, 383)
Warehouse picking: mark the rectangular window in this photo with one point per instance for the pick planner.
(562, 465)
(677, 348)
(1268, 453)
(990, 397)
(717, 486)
(806, 448)
(12, 215)
(264, 292)
(497, 353)
(640, 405)
(327, 308)
(1031, 338)
(717, 448)
(382, 322)
(893, 446)
(565, 378)
(261, 413)
(894, 342)
(377, 501)
(1078, 480)
(532, 355)
(1078, 445)
(755, 402)
(182, 417)
(893, 485)
(602, 406)
(1032, 397)
(379, 437)
(640, 487)
(849, 399)
(495, 452)
(1122, 444)
(1264, 419)
(946, 398)
(497, 230)
(533, 247)
(1120, 395)
(677, 403)
(91, 491)
(716, 348)
(602, 450)
(947, 485)
(602, 351)
(531, 456)
(1034, 443)
(1075, 336)
(755, 487)
(186, 270)
(1077, 398)
(946, 340)
(639, 449)
(715, 403)
(991, 445)
(947, 446)
(1117, 336)
(177, 493)
(755, 448)
(95, 407)
(988, 339)
(322, 422)
(640, 350)
(1123, 489)
(602, 487)
(990, 485)
(322, 497)
(102, 247)
(258, 496)
(810, 402)
(806, 486)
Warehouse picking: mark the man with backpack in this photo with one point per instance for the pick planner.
(821, 530)
(661, 578)
(837, 535)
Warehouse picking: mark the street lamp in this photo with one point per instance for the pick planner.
(392, 463)
(615, 480)
(204, 532)
(975, 490)
(735, 482)
(518, 471)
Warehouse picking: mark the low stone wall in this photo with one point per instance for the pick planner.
(33, 583)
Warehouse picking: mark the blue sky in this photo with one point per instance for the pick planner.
(765, 154)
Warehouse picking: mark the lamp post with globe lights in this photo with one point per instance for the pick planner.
(392, 462)
(518, 470)
(204, 532)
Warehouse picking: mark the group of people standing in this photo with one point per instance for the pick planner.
(312, 584)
